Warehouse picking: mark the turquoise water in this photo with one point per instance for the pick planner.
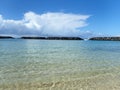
(41, 61)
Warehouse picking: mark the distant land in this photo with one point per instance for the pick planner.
(54, 38)
(106, 38)
(6, 37)
(64, 38)
(43, 38)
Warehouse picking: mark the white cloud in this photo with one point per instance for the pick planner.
(47, 24)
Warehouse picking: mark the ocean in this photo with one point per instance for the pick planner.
(59, 65)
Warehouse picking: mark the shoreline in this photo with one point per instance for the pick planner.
(64, 38)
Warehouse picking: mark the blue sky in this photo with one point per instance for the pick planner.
(104, 14)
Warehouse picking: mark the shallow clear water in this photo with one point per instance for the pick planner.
(52, 61)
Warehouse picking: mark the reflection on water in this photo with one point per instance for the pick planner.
(58, 64)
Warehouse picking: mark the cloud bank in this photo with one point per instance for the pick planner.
(47, 24)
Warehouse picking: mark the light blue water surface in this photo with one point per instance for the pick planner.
(32, 60)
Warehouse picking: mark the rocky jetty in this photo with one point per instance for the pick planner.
(54, 38)
(106, 38)
(6, 37)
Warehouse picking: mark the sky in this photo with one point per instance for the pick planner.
(84, 18)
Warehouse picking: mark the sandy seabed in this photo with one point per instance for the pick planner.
(99, 82)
